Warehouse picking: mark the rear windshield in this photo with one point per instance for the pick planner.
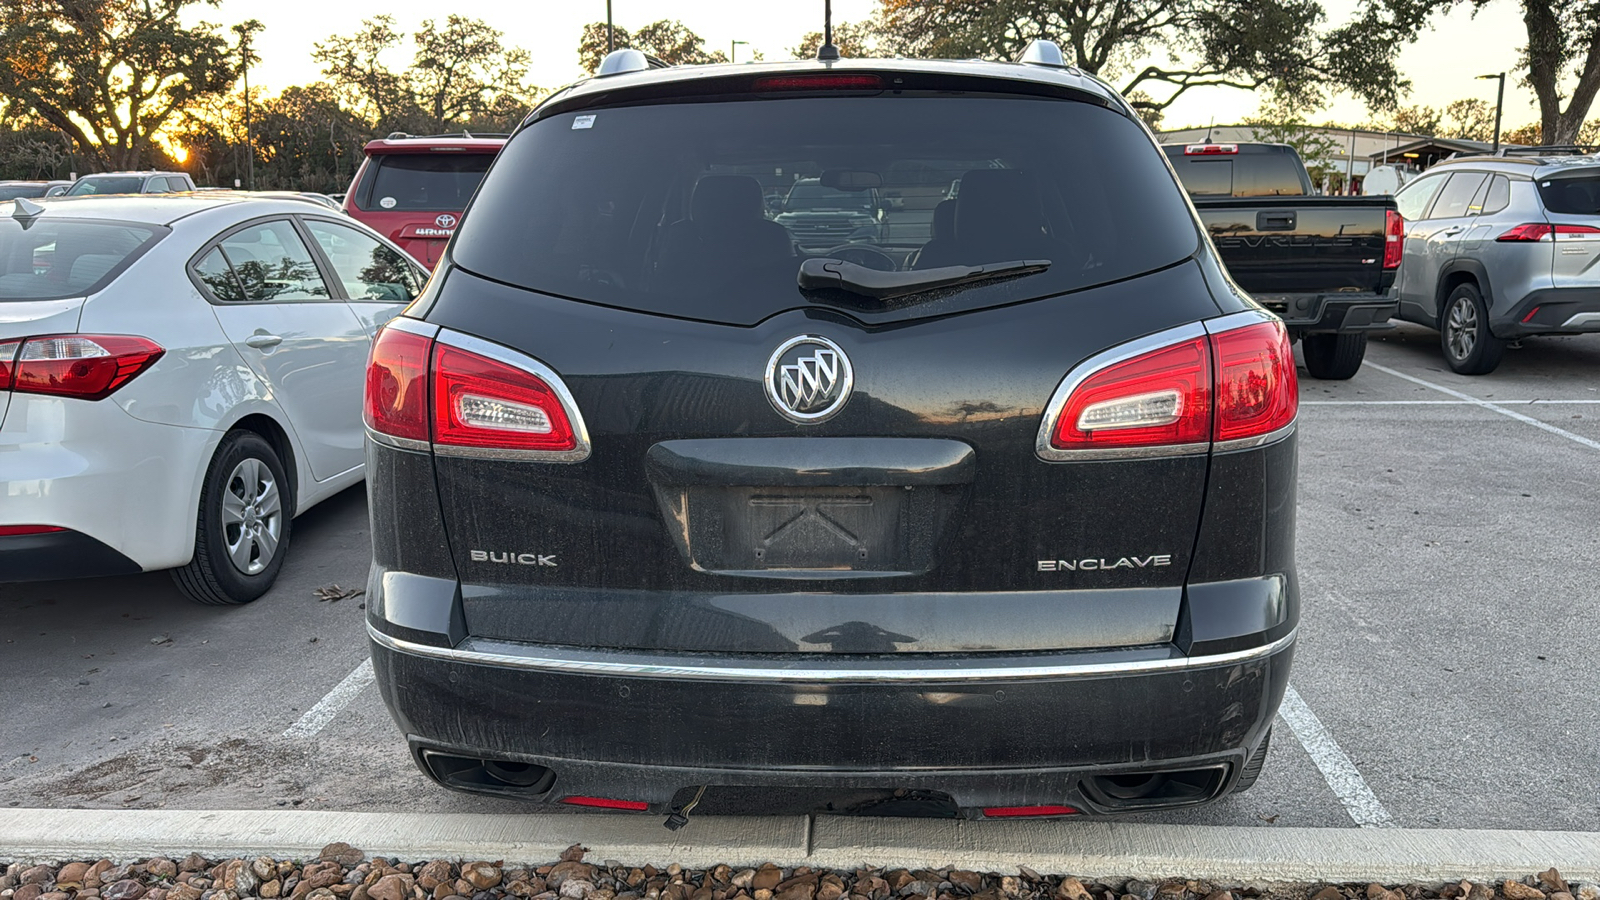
(118, 184)
(51, 260)
(707, 210)
(1572, 195)
(13, 191)
(1255, 171)
(424, 182)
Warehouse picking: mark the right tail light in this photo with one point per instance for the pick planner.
(1543, 231)
(81, 366)
(1189, 390)
(461, 396)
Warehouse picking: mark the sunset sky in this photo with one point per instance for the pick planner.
(550, 31)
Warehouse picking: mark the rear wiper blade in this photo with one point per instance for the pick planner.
(825, 273)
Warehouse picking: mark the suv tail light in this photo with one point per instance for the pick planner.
(830, 82)
(83, 366)
(1188, 391)
(1543, 231)
(1394, 239)
(460, 396)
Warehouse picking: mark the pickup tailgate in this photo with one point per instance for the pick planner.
(1301, 245)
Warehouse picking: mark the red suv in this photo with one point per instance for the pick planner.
(412, 188)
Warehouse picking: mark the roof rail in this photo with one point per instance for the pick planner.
(403, 136)
(1041, 52)
(1550, 150)
(621, 62)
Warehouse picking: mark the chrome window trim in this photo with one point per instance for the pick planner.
(399, 443)
(1260, 440)
(412, 326)
(533, 367)
(618, 664)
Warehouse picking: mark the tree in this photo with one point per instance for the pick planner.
(1280, 122)
(353, 65)
(1560, 61)
(111, 74)
(462, 71)
(1470, 119)
(667, 40)
(1276, 45)
(855, 40)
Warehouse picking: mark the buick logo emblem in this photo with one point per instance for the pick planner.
(809, 379)
(445, 221)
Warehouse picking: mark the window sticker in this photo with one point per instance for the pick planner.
(581, 122)
(388, 202)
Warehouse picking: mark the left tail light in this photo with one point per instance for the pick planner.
(82, 366)
(1394, 239)
(461, 396)
(1185, 391)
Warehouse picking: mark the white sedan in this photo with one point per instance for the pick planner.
(180, 377)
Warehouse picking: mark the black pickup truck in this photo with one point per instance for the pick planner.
(1326, 265)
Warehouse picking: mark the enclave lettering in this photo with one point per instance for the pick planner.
(1092, 565)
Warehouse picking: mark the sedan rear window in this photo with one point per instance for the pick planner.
(1572, 195)
(707, 210)
(53, 260)
(424, 182)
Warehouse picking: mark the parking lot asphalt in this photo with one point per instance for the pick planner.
(1447, 672)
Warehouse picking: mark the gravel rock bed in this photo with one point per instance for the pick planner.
(342, 872)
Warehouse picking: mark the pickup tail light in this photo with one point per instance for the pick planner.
(1181, 397)
(426, 393)
(81, 366)
(1394, 239)
(1210, 149)
(1534, 232)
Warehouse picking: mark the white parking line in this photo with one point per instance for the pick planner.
(318, 717)
(1341, 774)
(1493, 407)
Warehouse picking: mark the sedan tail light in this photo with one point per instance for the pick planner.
(83, 366)
(1183, 392)
(1394, 239)
(461, 396)
(1543, 231)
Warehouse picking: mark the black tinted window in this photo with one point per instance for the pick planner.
(1206, 177)
(1572, 195)
(369, 270)
(1457, 195)
(680, 208)
(50, 260)
(425, 182)
(115, 184)
(1269, 173)
(13, 191)
(1498, 196)
(272, 263)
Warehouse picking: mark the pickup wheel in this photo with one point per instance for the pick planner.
(1469, 347)
(1335, 357)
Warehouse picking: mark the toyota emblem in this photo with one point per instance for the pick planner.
(809, 379)
(445, 221)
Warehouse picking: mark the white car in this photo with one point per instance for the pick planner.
(179, 378)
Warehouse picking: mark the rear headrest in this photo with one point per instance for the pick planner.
(726, 199)
(944, 220)
(997, 202)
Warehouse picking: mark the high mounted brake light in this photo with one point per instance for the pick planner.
(1210, 149)
(460, 396)
(1182, 392)
(82, 366)
(819, 83)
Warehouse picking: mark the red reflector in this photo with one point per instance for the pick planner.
(1394, 239)
(819, 83)
(1531, 313)
(8, 352)
(1210, 149)
(1003, 812)
(1160, 398)
(484, 403)
(1258, 391)
(606, 803)
(397, 386)
(14, 530)
(85, 366)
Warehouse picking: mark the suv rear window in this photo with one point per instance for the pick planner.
(67, 257)
(706, 210)
(1572, 195)
(423, 182)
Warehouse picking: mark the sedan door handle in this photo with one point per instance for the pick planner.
(261, 340)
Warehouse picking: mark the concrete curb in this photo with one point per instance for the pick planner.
(1227, 855)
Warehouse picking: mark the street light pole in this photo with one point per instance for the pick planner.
(611, 41)
(244, 30)
(733, 50)
(1499, 103)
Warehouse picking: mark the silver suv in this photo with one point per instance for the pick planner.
(1501, 247)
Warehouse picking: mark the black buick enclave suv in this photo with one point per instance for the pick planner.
(1002, 514)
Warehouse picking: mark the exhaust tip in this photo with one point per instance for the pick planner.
(1155, 790)
(488, 776)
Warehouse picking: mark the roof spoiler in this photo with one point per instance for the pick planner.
(1550, 150)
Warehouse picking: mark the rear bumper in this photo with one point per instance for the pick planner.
(59, 554)
(1338, 312)
(1551, 311)
(988, 731)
